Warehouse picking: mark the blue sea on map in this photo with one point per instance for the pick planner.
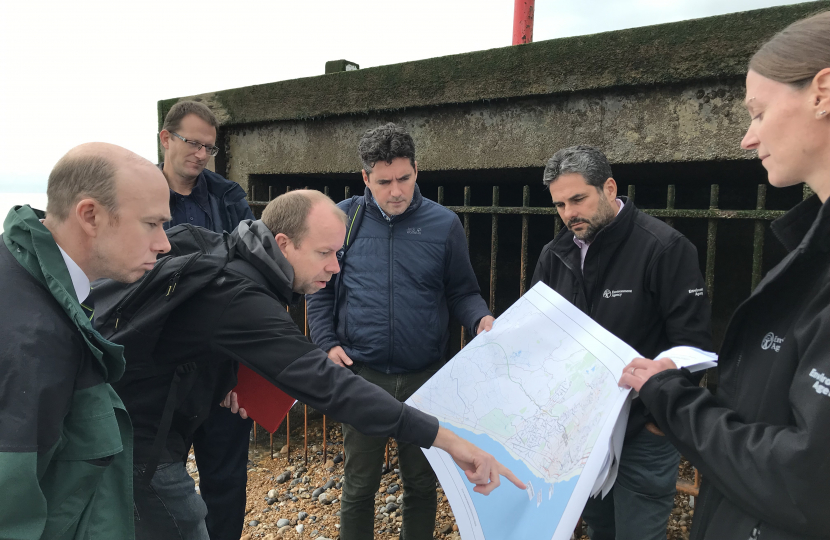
(507, 512)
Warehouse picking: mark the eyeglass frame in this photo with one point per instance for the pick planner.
(211, 150)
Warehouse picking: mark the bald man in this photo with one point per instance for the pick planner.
(65, 438)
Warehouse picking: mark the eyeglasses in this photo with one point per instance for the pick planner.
(211, 150)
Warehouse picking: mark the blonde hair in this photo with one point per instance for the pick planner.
(796, 54)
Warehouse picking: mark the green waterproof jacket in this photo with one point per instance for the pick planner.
(65, 437)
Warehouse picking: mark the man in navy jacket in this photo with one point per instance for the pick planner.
(205, 199)
(407, 268)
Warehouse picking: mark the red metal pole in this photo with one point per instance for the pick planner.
(523, 21)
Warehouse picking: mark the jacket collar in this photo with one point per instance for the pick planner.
(33, 246)
(213, 183)
(253, 242)
(807, 225)
(372, 205)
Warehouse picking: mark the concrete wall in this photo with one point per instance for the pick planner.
(659, 94)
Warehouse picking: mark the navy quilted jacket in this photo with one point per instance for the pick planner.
(401, 280)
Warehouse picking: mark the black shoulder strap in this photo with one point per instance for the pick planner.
(353, 223)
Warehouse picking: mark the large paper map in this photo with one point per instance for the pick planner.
(539, 392)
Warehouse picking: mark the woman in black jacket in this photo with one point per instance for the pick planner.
(763, 442)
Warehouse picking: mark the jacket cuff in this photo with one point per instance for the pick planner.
(652, 387)
(418, 427)
(327, 345)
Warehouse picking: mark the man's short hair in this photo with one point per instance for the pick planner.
(173, 120)
(288, 213)
(76, 177)
(385, 143)
(585, 160)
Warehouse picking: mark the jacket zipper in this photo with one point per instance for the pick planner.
(174, 279)
(756, 532)
(144, 283)
(391, 300)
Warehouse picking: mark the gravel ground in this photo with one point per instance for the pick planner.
(285, 488)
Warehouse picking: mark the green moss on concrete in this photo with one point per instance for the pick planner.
(710, 48)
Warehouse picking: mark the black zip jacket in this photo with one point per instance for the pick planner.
(235, 319)
(641, 282)
(763, 442)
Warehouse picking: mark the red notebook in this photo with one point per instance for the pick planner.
(263, 401)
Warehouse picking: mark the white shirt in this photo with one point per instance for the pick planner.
(79, 280)
(583, 246)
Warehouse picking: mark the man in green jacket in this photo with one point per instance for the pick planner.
(65, 437)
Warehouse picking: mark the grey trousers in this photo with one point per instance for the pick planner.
(364, 458)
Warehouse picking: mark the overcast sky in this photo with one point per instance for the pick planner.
(73, 72)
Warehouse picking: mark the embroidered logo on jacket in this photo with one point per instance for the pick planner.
(821, 381)
(771, 341)
(608, 293)
(413, 230)
(696, 292)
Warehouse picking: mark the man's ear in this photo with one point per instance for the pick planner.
(416, 171)
(164, 137)
(610, 188)
(90, 216)
(365, 177)
(282, 242)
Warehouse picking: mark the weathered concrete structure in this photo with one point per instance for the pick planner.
(669, 93)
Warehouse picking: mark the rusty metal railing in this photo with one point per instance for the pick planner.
(760, 216)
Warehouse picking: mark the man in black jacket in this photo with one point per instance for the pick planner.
(238, 319)
(205, 199)
(640, 279)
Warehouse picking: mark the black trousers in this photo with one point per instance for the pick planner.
(221, 448)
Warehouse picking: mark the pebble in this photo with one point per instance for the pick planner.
(390, 499)
(283, 478)
(400, 499)
(284, 450)
(446, 529)
(302, 515)
(299, 528)
(338, 485)
(393, 488)
(283, 530)
(272, 494)
(391, 506)
(328, 485)
(253, 523)
(316, 493)
(294, 482)
(270, 500)
(338, 458)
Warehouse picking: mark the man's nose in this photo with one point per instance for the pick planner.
(333, 265)
(396, 190)
(162, 244)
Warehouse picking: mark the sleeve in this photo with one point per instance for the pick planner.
(778, 473)
(270, 343)
(460, 282)
(321, 316)
(36, 384)
(541, 272)
(684, 304)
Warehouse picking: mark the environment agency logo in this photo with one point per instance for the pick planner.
(607, 293)
(771, 341)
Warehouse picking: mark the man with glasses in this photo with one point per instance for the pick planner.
(203, 198)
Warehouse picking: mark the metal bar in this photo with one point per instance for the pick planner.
(347, 193)
(711, 240)
(758, 240)
(441, 195)
(467, 199)
(523, 21)
(254, 435)
(494, 250)
(288, 434)
(631, 192)
(272, 445)
(287, 189)
(253, 192)
(670, 194)
(386, 456)
(270, 193)
(324, 439)
(326, 191)
(523, 255)
(305, 434)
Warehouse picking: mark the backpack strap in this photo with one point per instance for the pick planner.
(186, 372)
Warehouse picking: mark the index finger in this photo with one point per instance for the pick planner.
(507, 473)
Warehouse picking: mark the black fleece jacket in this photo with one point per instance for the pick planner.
(641, 282)
(235, 319)
(762, 442)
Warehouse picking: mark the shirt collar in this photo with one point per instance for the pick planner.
(79, 280)
(583, 245)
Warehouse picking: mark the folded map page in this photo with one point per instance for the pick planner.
(539, 392)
